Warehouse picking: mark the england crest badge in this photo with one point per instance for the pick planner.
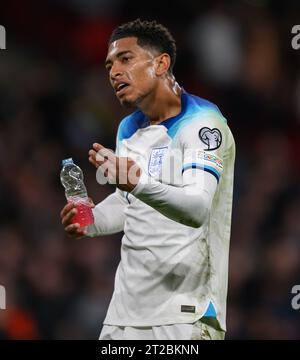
(155, 161)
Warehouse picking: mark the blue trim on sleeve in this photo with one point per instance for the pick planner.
(206, 168)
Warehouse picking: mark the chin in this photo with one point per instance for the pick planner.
(127, 103)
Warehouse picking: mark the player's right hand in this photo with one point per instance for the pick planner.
(66, 215)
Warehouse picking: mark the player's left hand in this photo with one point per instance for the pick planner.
(122, 171)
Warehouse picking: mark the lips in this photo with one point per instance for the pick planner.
(120, 87)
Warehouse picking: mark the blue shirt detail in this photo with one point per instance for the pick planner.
(191, 106)
(206, 168)
(211, 311)
(130, 124)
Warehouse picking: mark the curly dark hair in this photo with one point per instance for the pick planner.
(149, 34)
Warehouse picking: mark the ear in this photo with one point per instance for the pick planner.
(163, 63)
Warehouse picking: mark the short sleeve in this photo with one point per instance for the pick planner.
(204, 142)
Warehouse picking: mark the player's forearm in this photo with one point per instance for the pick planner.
(109, 216)
(188, 205)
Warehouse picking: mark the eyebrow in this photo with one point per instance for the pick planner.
(118, 55)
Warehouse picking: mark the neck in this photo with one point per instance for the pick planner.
(163, 103)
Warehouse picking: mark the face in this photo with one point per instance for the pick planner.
(132, 71)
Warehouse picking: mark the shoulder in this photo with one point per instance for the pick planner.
(130, 124)
(202, 120)
(196, 112)
(200, 111)
(197, 103)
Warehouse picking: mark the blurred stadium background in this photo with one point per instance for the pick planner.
(56, 101)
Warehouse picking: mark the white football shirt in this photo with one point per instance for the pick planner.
(176, 222)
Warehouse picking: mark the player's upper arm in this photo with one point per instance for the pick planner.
(204, 142)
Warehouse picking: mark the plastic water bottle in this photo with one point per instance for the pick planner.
(71, 177)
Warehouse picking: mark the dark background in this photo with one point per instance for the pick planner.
(55, 101)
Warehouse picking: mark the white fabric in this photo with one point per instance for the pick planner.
(188, 205)
(175, 246)
(195, 331)
(109, 215)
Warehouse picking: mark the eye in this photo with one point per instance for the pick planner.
(125, 59)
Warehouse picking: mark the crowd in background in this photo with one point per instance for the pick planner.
(56, 101)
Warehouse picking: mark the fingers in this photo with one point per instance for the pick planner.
(67, 214)
(103, 151)
(92, 158)
(92, 153)
(99, 155)
(93, 162)
(67, 219)
(98, 147)
(91, 202)
(72, 228)
(96, 158)
(75, 231)
(100, 158)
(67, 208)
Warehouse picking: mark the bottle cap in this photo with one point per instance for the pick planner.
(67, 161)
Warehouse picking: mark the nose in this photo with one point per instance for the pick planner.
(115, 72)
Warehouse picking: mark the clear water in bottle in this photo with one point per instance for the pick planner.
(71, 177)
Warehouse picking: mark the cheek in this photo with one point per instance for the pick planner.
(145, 79)
(150, 73)
(142, 73)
